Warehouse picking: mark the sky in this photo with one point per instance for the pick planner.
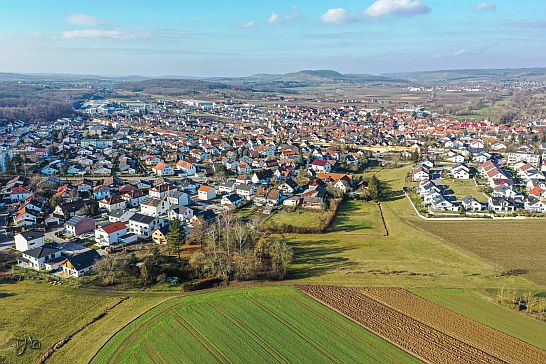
(240, 38)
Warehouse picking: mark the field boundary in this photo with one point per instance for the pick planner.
(59, 344)
(128, 323)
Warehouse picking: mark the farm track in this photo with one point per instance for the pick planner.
(446, 338)
(474, 333)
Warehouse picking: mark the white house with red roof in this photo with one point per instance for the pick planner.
(206, 193)
(186, 167)
(110, 234)
(18, 194)
(162, 169)
(319, 165)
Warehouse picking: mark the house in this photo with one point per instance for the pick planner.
(159, 236)
(16, 194)
(41, 258)
(232, 200)
(162, 169)
(111, 234)
(206, 193)
(227, 187)
(25, 217)
(152, 206)
(79, 264)
(29, 240)
(313, 203)
(162, 190)
(273, 197)
(113, 203)
(186, 167)
(133, 198)
(121, 215)
(524, 156)
(262, 176)
(420, 173)
(246, 191)
(289, 187)
(142, 225)
(460, 172)
(181, 213)
(501, 204)
(481, 157)
(319, 165)
(79, 225)
(534, 205)
(439, 203)
(457, 158)
(101, 192)
(292, 201)
(470, 204)
(179, 198)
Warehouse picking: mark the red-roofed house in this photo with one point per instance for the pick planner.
(319, 165)
(110, 234)
(162, 169)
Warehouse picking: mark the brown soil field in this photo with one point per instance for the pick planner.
(424, 329)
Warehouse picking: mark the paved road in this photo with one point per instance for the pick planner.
(5, 240)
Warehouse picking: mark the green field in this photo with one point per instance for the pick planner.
(409, 257)
(299, 218)
(358, 218)
(477, 307)
(247, 326)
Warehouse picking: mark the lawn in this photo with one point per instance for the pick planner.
(479, 308)
(464, 187)
(298, 218)
(358, 218)
(409, 257)
(510, 245)
(47, 313)
(256, 325)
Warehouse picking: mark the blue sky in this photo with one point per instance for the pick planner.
(236, 37)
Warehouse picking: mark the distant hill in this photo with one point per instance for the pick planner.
(320, 76)
(506, 74)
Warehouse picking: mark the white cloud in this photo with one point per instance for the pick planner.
(460, 52)
(273, 18)
(276, 18)
(105, 34)
(397, 8)
(248, 24)
(85, 19)
(485, 6)
(337, 16)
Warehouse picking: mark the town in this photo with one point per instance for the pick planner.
(121, 172)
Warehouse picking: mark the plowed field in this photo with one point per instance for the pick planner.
(425, 329)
